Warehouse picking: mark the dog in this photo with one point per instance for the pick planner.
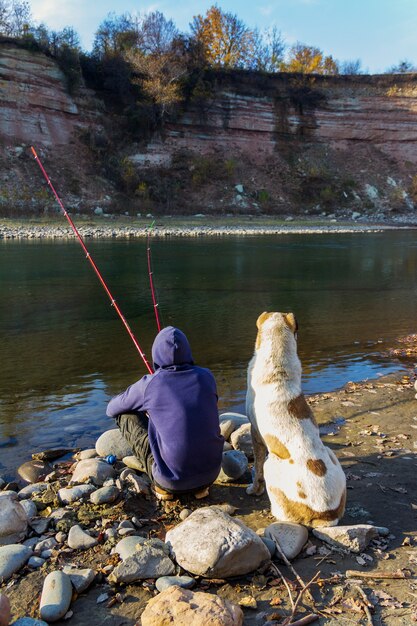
(303, 478)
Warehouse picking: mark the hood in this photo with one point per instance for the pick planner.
(171, 348)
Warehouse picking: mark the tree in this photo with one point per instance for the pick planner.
(155, 33)
(352, 67)
(226, 40)
(115, 35)
(403, 67)
(309, 60)
(268, 52)
(15, 18)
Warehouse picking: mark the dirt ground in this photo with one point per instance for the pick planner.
(372, 427)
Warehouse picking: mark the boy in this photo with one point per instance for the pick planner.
(170, 419)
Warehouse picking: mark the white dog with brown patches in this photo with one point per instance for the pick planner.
(304, 479)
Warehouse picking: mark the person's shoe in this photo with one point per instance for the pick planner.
(203, 493)
(161, 494)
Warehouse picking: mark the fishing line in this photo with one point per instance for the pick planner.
(93, 265)
(151, 283)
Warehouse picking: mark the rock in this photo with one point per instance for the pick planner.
(5, 612)
(227, 446)
(185, 582)
(98, 210)
(184, 513)
(35, 562)
(241, 439)
(34, 471)
(67, 495)
(239, 188)
(105, 495)
(113, 442)
(2, 483)
(94, 470)
(61, 537)
(81, 578)
(125, 473)
(150, 560)
(13, 519)
(78, 539)
(45, 544)
(126, 547)
(234, 465)
(56, 596)
(133, 463)
(46, 554)
(211, 543)
(30, 490)
(226, 508)
(355, 215)
(183, 607)
(140, 484)
(372, 192)
(29, 508)
(382, 531)
(29, 621)
(12, 558)
(290, 536)
(355, 538)
(237, 418)
(227, 427)
(39, 524)
(91, 453)
(271, 545)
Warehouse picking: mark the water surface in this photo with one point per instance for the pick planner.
(64, 352)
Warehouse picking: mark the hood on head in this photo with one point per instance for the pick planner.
(170, 348)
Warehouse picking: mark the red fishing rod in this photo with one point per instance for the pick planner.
(150, 272)
(93, 265)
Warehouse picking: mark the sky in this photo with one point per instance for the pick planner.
(378, 32)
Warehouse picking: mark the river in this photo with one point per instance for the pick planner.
(64, 352)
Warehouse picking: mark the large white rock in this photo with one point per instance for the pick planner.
(113, 442)
(211, 543)
(354, 538)
(104, 495)
(12, 558)
(241, 439)
(127, 546)
(183, 607)
(13, 519)
(78, 539)
(56, 596)
(290, 536)
(95, 470)
(150, 560)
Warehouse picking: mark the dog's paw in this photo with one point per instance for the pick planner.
(256, 489)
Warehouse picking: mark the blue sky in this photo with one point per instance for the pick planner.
(379, 32)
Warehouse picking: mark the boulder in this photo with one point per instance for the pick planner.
(234, 465)
(12, 558)
(126, 547)
(289, 536)
(113, 442)
(95, 470)
(56, 596)
(354, 538)
(150, 560)
(210, 543)
(34, 471)
(13, 519)
(183, 607)
(241, 439)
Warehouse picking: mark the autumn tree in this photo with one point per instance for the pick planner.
(309, 60)
(15, 18)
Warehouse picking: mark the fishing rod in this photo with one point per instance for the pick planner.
(93, 265)
(150, 272)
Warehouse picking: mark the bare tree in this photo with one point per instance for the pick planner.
(403, 67)
(15, 18)
(352, 67)
(115, 35)
(155, 33)
(268, 53)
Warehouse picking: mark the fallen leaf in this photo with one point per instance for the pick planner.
(276, 602)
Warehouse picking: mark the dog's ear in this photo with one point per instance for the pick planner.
(263, 316)
(291, 321)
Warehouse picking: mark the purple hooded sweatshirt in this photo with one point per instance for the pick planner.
(181, 402)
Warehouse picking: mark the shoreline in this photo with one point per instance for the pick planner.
(165, 227)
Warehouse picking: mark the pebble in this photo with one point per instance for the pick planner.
(29, 621)
(13, 520)
(237, 418)
(110, 533)
(45, 544)
(185, 582)
(105, 495)
(91, 453)
(5, 612)
(290, 536)
(40, 524)
(36, 561)
(184, 513)
(56, 596)
(30, 543)
(78, 539)
(140, 484)
(227, 426)
(30, 490)
(67, 495)
(241, 439)
(133, 463)
(271, 545)
(125, 473)
(234, 465)
(127, 546)
(113, 442)
(30, 509)
(61, 537)
(34, 471)
(95, 470)
(46, 554)
(12, 558)
(80, 578)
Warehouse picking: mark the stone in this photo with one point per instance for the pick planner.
(78, 539)
(13, 519)
(95, 470)
(34, 471)
(126, 547)
(133, 463)
(30, 490)
(35, 562)
(105, 495)
(227, 427)
(210, 543)
(12, 558)
(225, 507)
(91, 453)
(67, 495)
(113, 442)
(5, 612)
(227, 446)
(183, 607)
(239, 188)
(150, 560)
(184, 513)
(185, 582)
(98, 210)
(271, 545)
(40, 524)
(241, 439)
(81, 579)
(140, 484)
(46, 554)
(290, 536)
(29, 621)
(234, 465)
(355, 215)
(45, 544)
(2, 483)
(237, 418)
(61, 537)
(354, 538)
(29, 508)
(56, 596)
(125, 473)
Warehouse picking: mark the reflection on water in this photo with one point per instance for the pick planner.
(64, 352)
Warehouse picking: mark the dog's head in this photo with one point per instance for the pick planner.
(273, 327)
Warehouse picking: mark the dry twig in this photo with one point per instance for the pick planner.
(365, 603)
(308, 619)
(289, 565)
(350, 573)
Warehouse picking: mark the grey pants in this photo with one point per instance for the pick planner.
(134, 428)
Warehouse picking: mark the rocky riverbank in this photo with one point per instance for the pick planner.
(89, 544)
